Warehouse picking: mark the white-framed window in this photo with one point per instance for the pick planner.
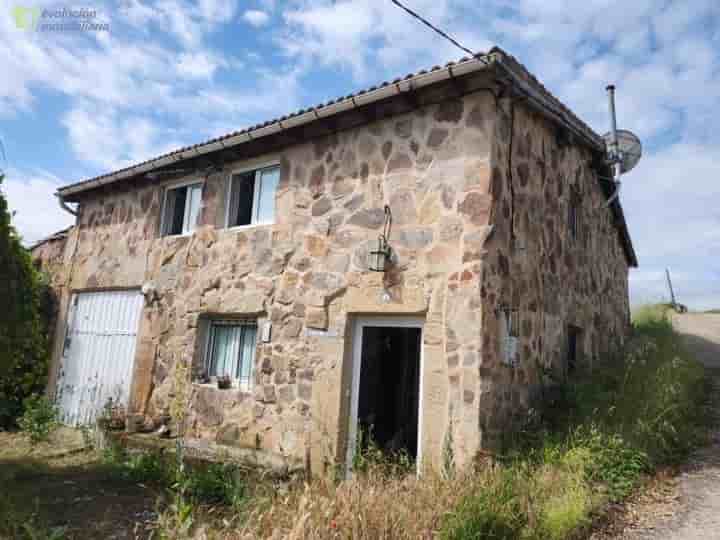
(252, 197)
(509, 335)
(181, 208)
(231, 351)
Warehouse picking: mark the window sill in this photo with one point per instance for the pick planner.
(250, 226)
(179, 235)
(233, 386)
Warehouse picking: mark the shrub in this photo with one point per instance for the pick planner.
(217, 483)
(207, 483)
(591, 443)
(26, 305)
(615, 463)
(369, 456)
(39, 419)
(493, 512)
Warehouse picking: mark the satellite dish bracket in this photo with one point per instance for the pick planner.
(624, 148)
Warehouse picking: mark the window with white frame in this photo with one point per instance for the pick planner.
(181, 208)
(231, 351)
(509, 334)
(252, 197)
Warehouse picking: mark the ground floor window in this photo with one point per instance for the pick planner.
(573, 334)
(231, 351)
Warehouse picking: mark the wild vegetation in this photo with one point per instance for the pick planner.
(39, 418)
(26, 305)
(593, 444)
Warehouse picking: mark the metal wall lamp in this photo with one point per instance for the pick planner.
(381, 259)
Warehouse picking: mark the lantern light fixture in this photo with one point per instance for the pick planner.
(381, 259)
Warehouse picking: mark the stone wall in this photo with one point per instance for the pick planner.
(307, 273)
(537, 267)
(49, 257)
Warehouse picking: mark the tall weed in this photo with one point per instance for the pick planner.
(590, 444)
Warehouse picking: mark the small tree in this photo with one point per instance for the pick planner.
(23, 322)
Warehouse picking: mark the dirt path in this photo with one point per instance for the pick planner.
(689, 506)
(59, 486)
(702, 335)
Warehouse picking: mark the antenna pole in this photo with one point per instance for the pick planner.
(614, 151)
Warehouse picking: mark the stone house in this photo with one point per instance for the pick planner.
(247, 261)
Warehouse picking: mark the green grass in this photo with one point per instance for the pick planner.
(201, 483)
(595, 443)
(62, 497)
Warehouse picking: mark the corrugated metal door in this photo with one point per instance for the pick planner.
(99, 353)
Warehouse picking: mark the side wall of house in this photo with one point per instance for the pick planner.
(49, 257)
(552, 278)
(308, 275)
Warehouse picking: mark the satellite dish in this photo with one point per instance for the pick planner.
(629, 148)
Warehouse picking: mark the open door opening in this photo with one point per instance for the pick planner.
(388, 399)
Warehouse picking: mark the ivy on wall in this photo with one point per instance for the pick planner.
(25, 308)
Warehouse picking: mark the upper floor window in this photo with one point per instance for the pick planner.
(574, 216)
(252, 197)
(181, 208)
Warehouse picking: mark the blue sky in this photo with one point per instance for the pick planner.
(170, 73)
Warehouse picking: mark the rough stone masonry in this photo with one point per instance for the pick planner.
(480, 187)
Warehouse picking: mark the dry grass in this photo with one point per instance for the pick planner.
(14, 445)
(592, 449)
(371, 505)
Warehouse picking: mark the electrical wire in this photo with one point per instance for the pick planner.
(439, 31)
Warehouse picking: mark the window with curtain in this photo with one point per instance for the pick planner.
(252, 197)
(181, 209)
(231, 351)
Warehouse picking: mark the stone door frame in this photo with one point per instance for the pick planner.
(385, 321)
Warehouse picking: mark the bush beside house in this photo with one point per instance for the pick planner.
(24, 315)
(590, 446)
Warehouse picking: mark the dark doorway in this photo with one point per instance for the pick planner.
(389, 396)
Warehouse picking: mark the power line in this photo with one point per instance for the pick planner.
(438, 30)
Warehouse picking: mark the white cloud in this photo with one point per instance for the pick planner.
(106, 139)
(373, 39)
(131, 97)
(221, 11)
(36, 211)
(188, 22)
(138, 13)
(256, 17)
(198, 65)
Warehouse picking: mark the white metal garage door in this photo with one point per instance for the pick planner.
(99, 353)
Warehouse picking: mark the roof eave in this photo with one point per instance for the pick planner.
(399, 86)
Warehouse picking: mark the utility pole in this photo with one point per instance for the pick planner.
(677, 307)
(669, 282)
